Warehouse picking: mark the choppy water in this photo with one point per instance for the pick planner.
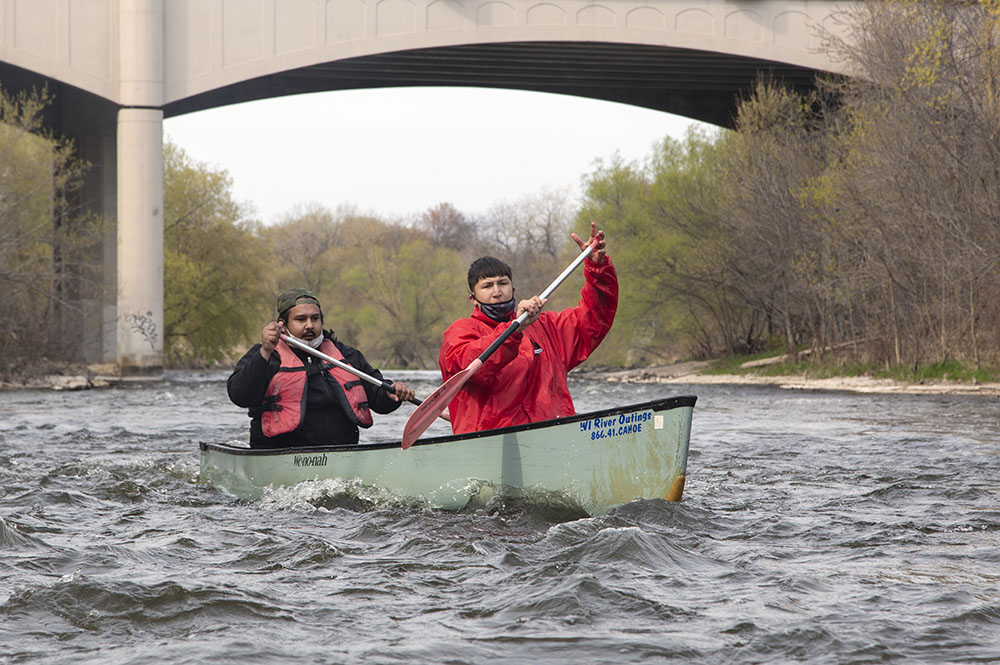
(816, 527)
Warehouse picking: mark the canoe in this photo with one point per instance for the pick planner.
(595, 460)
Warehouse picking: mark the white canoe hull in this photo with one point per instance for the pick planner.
(598, 460)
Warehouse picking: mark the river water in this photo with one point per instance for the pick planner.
(815, 527)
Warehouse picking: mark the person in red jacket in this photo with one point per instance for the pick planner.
(524, 380)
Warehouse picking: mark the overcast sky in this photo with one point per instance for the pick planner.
(398, 151)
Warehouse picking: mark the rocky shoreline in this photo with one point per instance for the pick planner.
(691, 373)
(62, 377)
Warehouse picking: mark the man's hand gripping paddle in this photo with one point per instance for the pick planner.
(434, 406)
(386, 385)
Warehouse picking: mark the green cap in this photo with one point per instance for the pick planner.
(293, 297)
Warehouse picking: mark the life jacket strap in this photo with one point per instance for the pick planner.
(270, 403)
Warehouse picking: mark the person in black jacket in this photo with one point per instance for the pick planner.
(295, 399)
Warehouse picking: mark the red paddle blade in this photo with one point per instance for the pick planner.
(433, 406)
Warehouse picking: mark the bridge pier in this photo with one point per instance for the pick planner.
(140, 243)
(140, 189)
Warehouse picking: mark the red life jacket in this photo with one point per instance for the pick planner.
(286, 394)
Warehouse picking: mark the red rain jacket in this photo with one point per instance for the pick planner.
(524, 380)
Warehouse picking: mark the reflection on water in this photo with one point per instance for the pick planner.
(816, 527)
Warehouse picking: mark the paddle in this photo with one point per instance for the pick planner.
(348, 368)
(424, 415)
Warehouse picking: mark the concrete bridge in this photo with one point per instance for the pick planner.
(119, 67)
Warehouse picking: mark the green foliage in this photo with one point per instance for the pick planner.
(412, 292)
(671, 250)
(44, 268)
(733, 364)
(213, 261)
(948, 370)
(839, 365)
(310, 246)
(386, 289)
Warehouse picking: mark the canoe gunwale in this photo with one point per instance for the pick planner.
(663, 404)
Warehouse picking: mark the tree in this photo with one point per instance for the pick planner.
(388, 289)
(313, 247)
(308, 246)
(448, 227)
(410, 290)
(530, 235)
(46, 269)
(214, 261)
(779, 148)
(673, 251)
(615, 198)
(916, 178)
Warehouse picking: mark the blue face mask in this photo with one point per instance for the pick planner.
(498, 311)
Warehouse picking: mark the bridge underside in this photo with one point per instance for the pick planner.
(701, 85)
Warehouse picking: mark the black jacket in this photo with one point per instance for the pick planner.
(326, 421)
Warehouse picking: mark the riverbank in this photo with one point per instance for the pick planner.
(60, 376)
(85, 377)
(693, 372)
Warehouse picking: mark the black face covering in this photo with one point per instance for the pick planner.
(498, 311)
